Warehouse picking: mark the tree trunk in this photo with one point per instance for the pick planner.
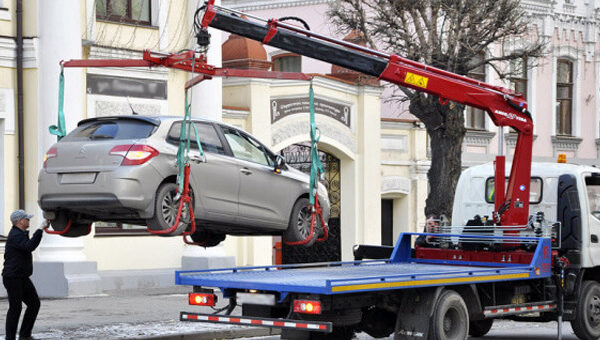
(445, 125)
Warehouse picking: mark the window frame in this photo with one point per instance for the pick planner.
(174, 141)
(560, 129)
(276, 58)
(471, 112)
(126, 18)
(521, 78)
(492, 178)
(270, 157)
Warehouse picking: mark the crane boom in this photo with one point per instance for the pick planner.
(504, 107)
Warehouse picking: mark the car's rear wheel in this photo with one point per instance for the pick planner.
(166, 208)
(299, 225)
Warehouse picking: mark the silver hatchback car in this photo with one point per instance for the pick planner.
(123, 169)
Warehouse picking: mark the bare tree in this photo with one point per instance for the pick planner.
(454, 35)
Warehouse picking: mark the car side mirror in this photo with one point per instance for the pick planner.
(279, 163)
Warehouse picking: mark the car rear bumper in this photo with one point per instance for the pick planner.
(127, 190)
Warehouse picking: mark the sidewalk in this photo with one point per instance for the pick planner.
(129, 314)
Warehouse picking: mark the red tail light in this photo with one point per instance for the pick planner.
(134, 154)
(307, 306)
(51, 153)
(201, 299)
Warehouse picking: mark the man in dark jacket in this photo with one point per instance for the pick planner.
(18, 267)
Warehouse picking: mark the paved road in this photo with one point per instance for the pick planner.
(502, 330)
(154, 313)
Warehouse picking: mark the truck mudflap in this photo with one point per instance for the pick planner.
(497, 311)
(313, 326)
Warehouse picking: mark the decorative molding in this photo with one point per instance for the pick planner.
(5, 14)
(397, 125)
(395, 184)
(102, 52)
(253, 5)
(394, 142)
(511, 139)
(235, 114)
(478, 138)
(8, 52)
(282, 131)
(7, 110)
(565, 143)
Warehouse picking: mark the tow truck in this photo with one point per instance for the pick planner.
(510, 264)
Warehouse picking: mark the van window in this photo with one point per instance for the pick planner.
(111, 129)
(592, 186)
(535, 190)
(208, 137)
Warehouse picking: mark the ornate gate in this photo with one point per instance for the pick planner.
(298, 156)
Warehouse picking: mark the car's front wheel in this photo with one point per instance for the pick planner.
(299, 225)
(166, 209)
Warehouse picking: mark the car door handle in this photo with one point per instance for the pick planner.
(246, 171)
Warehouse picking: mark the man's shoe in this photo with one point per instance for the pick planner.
(27, 338)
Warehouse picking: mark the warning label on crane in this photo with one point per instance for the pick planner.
(416, 80)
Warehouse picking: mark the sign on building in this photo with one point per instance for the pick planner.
(284, 107)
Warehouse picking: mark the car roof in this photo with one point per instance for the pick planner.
(154, 120)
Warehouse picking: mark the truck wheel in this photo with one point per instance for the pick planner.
(299, 225)
(450, 319)
(165, 210)
(586, 324)
(480, 327)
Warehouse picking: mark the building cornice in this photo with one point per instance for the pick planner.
(8, 52)
(253, 5)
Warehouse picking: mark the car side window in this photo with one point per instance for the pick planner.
(208, 137)
(246, 148)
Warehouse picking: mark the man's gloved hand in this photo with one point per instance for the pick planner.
(45, 223)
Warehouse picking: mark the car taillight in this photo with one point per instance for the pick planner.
(51, 153)
(201, 299)
(307, 306)
(134, 154)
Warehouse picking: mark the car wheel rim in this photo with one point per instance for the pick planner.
(594, 311)
(304, 217)
(169, 208)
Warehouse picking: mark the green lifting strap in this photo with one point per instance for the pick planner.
(183, 151)
(316, 167)
(60, 131)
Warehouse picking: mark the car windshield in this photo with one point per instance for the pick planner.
(592, 185)
(111, 129)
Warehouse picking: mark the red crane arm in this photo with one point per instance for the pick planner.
(185, 61)
(504, 107)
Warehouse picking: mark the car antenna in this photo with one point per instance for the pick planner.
(131, 107)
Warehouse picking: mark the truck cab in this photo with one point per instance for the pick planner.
(565, 193)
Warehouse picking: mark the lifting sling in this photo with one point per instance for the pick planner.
(316, 169)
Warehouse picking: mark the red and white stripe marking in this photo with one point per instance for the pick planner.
(517, 310)
(323, 327)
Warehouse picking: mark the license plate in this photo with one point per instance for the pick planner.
(78, 178)
(255, 299)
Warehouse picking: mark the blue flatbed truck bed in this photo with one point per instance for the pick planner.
(331, 283)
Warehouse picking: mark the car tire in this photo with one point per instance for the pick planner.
(77, 229)
(299, 225)
(61, 222)
(165, 210)
(450, 319)
(480, 327)
(586, 324)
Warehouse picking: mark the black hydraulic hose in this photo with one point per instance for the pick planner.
(296, 19)
(518, 108)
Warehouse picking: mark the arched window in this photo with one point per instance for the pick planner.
(564, 97)
(287, 62)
